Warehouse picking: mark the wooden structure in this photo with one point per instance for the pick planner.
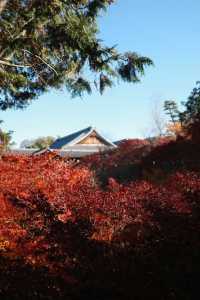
(81, 143)
(75, 145)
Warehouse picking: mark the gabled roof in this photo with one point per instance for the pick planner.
(77, 137)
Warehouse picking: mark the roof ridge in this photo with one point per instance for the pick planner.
(72, 136)
(79, 131)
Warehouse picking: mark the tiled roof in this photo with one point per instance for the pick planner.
(59, 143)
(69, 146)
(72, 139)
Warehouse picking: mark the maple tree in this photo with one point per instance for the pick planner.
(175, 129)
(72, 235)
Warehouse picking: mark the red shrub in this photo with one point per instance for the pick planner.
(56, 216)
(39, 190)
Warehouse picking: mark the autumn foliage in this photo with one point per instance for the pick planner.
(107, 228)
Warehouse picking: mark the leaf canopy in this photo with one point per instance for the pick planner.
(54, 43)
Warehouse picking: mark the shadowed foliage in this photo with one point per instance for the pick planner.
(63, 236)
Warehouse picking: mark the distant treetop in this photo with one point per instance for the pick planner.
(38, 143)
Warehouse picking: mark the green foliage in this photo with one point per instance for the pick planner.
(192, 106)
(5, 139)
(39, 143)
(191, 111)
(189, 117)
(171, 109)
(53, 44)
(132, 66)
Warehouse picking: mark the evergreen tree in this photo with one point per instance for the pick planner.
(189, 117)
(171, 110)
(191, 113)
(52, 44)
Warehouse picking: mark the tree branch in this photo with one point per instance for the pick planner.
(10, 64)
(50, 67)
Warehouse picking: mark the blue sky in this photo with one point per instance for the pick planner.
(166, 31)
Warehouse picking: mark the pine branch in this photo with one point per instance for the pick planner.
(37, 56)
(10, 64)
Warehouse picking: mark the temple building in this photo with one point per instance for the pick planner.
(81, 143)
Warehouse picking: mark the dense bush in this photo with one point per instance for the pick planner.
(64, 236)
(123, 163)
(145, 159)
